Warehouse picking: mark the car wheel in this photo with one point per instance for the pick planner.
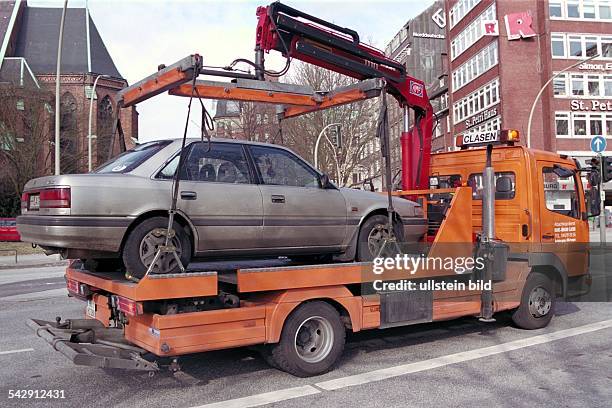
(143, 243)
(372, 235)
(311, 342)
(537, 303)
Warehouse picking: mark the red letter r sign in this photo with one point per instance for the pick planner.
(518, 25)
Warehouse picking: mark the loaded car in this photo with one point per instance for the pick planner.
(236, 199)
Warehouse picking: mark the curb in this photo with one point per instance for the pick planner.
(36, 265)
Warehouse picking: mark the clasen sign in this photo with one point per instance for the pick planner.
(518, 25)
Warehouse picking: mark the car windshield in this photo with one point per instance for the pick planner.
(129, 160)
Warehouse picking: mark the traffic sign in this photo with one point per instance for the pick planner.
(598, 144)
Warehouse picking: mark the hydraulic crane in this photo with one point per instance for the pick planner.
(300, 36)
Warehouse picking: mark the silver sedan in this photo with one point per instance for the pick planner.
(236, 199)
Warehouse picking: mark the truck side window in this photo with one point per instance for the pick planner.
(506, 178)
(560, 194)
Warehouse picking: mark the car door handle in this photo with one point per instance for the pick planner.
(278, 199)
(189, 195)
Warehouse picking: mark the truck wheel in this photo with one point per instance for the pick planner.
(537, 303)
(142, 245)
(311, 342)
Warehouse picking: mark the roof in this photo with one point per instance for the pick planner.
(37, 42)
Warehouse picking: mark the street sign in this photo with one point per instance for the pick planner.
(598, 144)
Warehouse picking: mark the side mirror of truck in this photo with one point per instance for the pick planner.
(593, 197)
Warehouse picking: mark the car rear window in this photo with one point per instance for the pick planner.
(129, 160)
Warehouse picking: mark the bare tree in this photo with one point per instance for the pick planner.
(25, 132)
(358, 127)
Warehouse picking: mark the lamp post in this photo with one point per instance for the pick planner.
(316, 151)
(537, 98)
(91, 99)
(57, 90)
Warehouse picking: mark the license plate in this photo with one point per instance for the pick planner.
(91, 309)
(34, 202)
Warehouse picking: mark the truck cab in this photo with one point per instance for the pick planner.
(541, 207)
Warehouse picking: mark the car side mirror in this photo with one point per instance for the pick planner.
(324, 181)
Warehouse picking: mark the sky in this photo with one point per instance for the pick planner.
(140, 35)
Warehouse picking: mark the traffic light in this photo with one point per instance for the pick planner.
(606, 169)
(336, 136)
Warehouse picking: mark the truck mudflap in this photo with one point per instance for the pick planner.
(87, 342)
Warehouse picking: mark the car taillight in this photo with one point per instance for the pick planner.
(129, 307)
(25, 197)
(55, 197)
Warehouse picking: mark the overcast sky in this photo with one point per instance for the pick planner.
(141, 34)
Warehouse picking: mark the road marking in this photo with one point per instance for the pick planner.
(16, 351)
(263, 399)
(45, 294)
(396, 371)
(442, 361)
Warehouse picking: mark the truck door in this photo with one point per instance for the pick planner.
(561, 224)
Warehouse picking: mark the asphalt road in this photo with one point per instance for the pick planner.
(458, 363)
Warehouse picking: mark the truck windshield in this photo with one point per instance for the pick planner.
(129, 160)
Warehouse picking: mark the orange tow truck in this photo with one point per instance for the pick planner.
(523, 213)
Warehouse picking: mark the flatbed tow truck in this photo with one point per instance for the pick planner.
(527, 221)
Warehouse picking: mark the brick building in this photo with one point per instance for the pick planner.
(422, 47)
(28, 52)
(502, 52)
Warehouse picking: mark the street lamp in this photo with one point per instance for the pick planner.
(57, 90)
(537, 98)
(316, 151)
(91, 99)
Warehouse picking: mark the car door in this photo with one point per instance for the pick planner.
(218, 193)
(560, 214)
(298, 212)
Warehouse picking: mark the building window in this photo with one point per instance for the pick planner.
(562, 120)
(583, 125)
(577, 46)
(489, 126)
(472, 33)
(554, 8)
(460, 10)
(580, 10)
(558, 46)
(560, 85)
(582, 85)
(477, 101)
(476, 66)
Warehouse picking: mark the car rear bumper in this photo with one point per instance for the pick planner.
(89, 233)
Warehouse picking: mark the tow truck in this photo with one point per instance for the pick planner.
(523, 212)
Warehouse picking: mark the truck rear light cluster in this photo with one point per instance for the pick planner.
(55, 197)
(78, 289)
(128, 306)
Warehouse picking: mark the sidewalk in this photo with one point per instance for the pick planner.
(25, 261)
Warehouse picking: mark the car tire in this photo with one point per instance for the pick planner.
(537, 303)
(141, 245)
(364, 251)
(311, 342)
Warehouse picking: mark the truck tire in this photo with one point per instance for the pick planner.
(142, 243)
(311, 342)
(537, 303)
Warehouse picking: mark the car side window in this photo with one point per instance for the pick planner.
(279, 167)
(222, 163)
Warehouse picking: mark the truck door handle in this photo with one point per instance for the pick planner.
(278, 199)
(189, 195)
(548, 236)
